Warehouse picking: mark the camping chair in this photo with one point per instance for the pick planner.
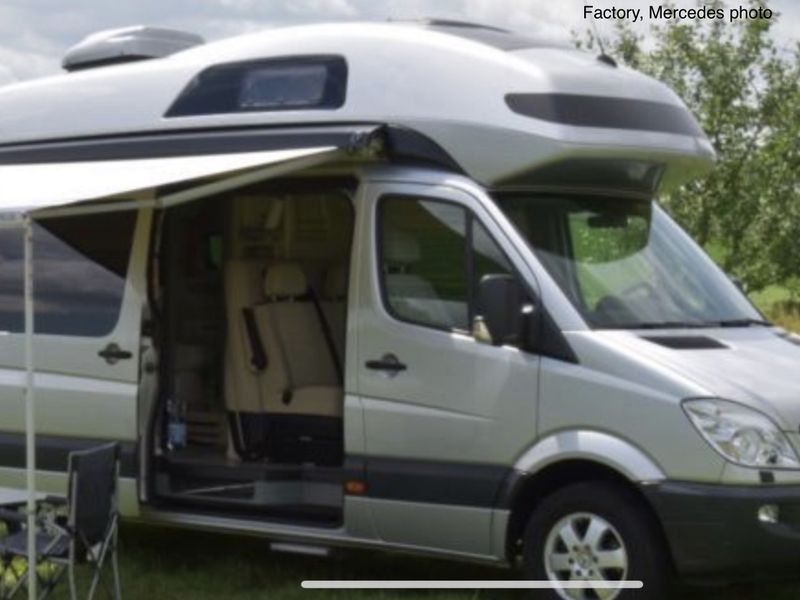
(87, 532)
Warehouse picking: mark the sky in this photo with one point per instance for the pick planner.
(34, 34)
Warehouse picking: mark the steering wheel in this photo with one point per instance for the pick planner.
(610, 309)
(614, 309)
(634, 289)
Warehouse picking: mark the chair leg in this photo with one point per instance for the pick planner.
(115, 568)
(95, 581)
(97, 562)
(73, 589)
(109, 546)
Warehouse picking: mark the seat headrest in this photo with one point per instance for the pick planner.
(400, 247)
(285, 280)
(335, 287)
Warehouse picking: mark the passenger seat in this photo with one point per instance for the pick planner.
(300, 387)
(243, 366)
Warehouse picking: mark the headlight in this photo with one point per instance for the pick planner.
(742, 435)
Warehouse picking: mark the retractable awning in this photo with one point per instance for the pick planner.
(33, 188)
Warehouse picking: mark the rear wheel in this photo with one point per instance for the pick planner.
(595, 532)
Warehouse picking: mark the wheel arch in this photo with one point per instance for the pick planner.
(571, 457)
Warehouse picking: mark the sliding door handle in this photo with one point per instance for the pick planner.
(388, 362)
(113, 354)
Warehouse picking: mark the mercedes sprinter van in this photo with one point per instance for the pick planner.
(403, 286)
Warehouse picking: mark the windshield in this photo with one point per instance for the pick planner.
(625, 264)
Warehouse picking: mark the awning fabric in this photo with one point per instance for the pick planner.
(28, 188)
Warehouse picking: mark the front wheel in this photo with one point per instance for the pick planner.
(595, 532)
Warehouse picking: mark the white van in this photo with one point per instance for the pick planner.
(402, 286)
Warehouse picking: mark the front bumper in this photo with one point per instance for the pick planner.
(713, 531)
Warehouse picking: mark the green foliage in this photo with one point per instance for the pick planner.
(604, 243)
(745, 92)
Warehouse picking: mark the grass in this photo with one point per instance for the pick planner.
(161, 564)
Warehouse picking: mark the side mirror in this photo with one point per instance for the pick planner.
(501, 310)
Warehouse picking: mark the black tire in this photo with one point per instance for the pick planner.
(623, 510)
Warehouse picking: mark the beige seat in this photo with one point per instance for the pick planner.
(301, 376)
(334, 306)
(243, 291)
(282, 389)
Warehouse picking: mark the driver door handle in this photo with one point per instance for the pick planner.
(113, 354)
(388, 362)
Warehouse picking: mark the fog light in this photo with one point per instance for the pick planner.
(769, 513)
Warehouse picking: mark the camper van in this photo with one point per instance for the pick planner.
(401, 286)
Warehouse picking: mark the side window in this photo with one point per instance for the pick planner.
(423, 259)
(80, 267)
(284, 83)
(433, 255)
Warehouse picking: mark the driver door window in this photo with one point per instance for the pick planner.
(423, 261)
(433, 255)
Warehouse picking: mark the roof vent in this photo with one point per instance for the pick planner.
(686, 342)
(115, 46)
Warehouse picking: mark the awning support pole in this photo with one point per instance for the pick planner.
(30, 440)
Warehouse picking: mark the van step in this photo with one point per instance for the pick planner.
(296, 513)
(193, 464)
(241, 490)
(323, 500)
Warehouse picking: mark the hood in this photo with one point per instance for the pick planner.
(754, 366)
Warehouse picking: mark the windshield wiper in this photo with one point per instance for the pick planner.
(732, 323)
(666, 325)
(743, 323)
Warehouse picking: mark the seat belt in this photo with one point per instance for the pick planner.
(327, 334)
(258, 356)
(286, 397)
(259, 361)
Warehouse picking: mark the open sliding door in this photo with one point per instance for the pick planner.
(92, 227)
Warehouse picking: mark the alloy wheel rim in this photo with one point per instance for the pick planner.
(585, 547)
